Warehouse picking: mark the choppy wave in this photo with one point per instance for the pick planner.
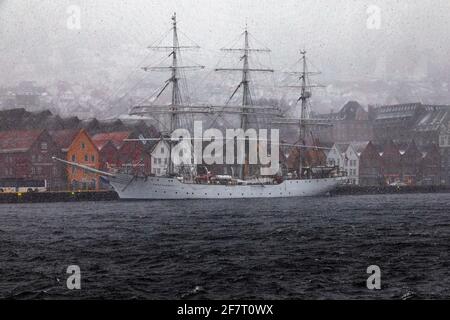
(303, 248)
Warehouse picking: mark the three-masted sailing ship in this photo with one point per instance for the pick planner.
(176, 185)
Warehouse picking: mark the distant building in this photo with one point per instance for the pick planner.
(25, 95)
(395, 122)
(351, 123)
(27, 155)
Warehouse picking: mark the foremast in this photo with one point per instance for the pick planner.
(176, 97)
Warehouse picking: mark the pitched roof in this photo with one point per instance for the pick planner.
(64, 138)
(406, 110)
(359, 146)
(432, 120)
(341, 147)
(117, 138)
(18, 141)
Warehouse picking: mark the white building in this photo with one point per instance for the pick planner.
(160, 158)
(346, 157)
(336, 155)
(351, 164)
(182, 153)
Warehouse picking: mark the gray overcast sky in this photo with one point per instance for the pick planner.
(35, 38)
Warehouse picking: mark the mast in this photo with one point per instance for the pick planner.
(303, 112)
(304, 119)
(304, 98)
(245, 84)
(246, 99)
(176, 105)
(175, 88)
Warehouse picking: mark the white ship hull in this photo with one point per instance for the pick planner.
(162, 188)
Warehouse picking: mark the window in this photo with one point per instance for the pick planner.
(162, 150)
(165, 160)
(159, 161)
(86, 158)
(44, 146)
(93, 158)
(83, 145)
(155, 160)
(158, 171)
(74, 159)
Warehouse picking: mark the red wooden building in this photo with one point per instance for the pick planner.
(370, 165)
(27, 155)
(431, 166)
(411, 161)
(390, 157)
(132, 157)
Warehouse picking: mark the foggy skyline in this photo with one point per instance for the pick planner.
(411, 41)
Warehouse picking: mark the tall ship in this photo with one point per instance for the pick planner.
(242, 179)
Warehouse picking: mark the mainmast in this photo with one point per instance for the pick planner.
(245, 84)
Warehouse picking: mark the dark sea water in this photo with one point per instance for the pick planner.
(302, 248)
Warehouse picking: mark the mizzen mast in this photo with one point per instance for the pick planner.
(304, 119)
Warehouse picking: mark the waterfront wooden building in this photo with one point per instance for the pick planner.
(431, 166)
(390, 156)
(370, 165)
(411, 164)
(27, 155)
(132, 156)
(77, 146)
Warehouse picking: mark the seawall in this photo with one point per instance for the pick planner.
(69, 196)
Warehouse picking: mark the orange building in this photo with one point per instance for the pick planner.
(78, 147)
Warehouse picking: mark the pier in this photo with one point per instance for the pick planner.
(61, 196)
(362, 190)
